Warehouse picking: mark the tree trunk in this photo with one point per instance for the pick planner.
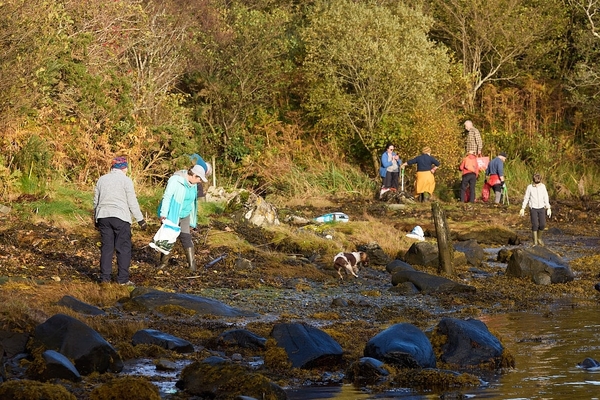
(442, 231)
(376, 162)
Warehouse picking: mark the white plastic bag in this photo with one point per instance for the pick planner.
(417, 233)
(165, 237)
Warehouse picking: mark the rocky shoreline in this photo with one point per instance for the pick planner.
(304, 292)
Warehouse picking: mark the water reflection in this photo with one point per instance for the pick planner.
(547, 349)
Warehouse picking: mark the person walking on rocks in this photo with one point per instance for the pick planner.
(180, 205)
(114, 204)
(474, 142)
(426, 167)
(536, 197)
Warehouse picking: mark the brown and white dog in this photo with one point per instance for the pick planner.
(349, 262)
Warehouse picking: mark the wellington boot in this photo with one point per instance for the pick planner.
(535, 238)
(191, 258)
(164, 260)
(497, 197)
(540, 242)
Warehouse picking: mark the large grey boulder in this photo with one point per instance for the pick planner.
(153, 299)
(242, 338)
(422, 253)
(79, 306)
(428, 283)
(540, 264)
(13, 343)
(161, 339)
(57, 366)
(260, 212)
(398, 265)
(472, 250)
(306, 346)
(376, 254)
(468, 343)
(75, 340)
(403, 345)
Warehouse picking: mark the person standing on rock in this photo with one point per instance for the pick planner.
(474, 142)
(426, 167)
(114, 204)
(180, 205)
(536, 197)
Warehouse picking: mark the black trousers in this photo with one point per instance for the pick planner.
(538, 219)
(391, 180)
(468, 181)
(115, 235)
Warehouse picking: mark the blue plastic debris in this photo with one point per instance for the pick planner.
(333, 217)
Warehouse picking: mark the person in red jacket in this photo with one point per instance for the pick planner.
(470, 171)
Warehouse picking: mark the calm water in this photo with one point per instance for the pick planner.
(547, 350)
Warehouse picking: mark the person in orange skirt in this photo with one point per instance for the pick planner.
(426, 167)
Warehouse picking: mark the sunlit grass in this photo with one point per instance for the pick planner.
(25, 304)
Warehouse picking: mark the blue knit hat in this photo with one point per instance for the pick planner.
(119, 163)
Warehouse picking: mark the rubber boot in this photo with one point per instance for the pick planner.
(535, 238)
(498, 197)
(191, 258)
(164, 260)
(539, 235)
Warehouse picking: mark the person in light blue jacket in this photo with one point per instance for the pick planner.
(390, 169)
(180, 205)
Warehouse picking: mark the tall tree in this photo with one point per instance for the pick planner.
(240, 69)
(489, 36)
(366, 69)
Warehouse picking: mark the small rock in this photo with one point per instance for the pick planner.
(338, 302)
(165, 365)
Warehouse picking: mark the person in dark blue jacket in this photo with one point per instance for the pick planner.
(495, 175)
(426, 167)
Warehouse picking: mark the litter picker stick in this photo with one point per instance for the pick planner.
(402, 173)
(505, 194)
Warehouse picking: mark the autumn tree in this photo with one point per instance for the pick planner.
(490, 36)
(584, 81)
(367, 69)
(238, 74)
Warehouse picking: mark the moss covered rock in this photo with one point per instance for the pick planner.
(27, 390)
(130, 388)
(226, 381)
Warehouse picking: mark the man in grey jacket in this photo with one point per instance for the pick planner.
(114, 203)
